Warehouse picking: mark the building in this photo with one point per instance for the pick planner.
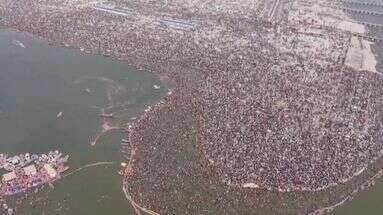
(51, 172)
(30, 170)
(9, 176)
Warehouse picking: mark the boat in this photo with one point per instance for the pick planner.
(43, 169)
(106, 115)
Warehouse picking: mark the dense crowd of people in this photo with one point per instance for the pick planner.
(292, 130)
(305, 125)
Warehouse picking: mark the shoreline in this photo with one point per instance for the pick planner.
(162, 58)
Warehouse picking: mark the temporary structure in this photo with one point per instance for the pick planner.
(30, 170)
(9, 176)
(51, 172)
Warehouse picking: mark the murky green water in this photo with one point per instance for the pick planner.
(367, 202)
(39, 81)
(370, 201)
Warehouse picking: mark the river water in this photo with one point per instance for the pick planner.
(370, 201)
(38, 81)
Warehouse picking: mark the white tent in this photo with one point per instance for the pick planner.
(51, 172)
(9, 176)
(30, 170)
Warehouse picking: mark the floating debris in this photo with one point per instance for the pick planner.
(59, 115)
(18, 43)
